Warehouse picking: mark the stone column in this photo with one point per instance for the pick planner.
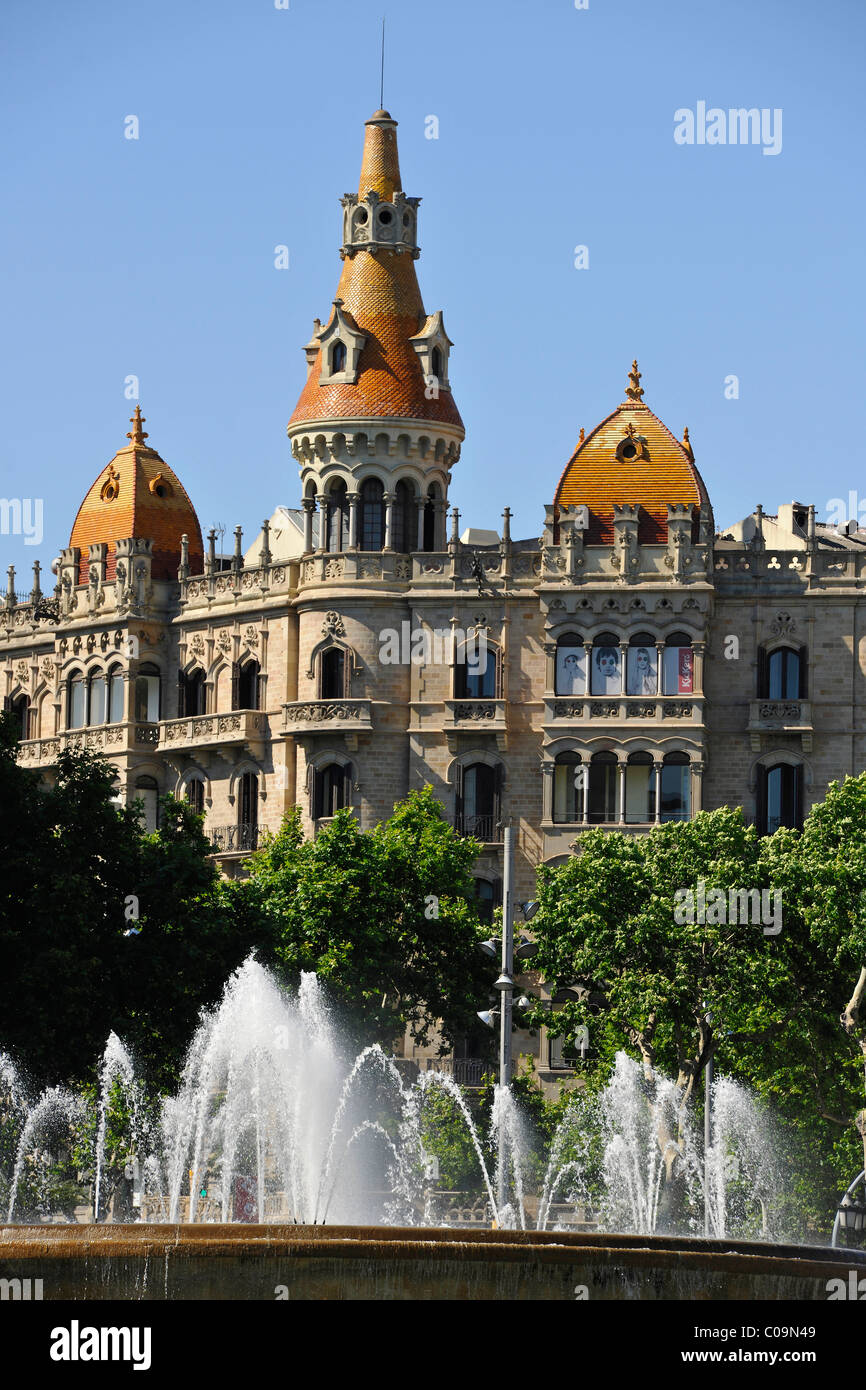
(388, 499)
(440, 509)
(420, 504)
(621, 815)
(660, 662)
(550, 668)
(586, 767)
(587, 647)
(623, 667)
(309, 508)
(698, 649)
(547, 808)
(697, 770)
(353, 499)
(657, 773)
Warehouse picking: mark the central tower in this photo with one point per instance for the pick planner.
(376, 430)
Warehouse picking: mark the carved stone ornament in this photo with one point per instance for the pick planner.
(224, 640)
(333, 625)
(22, 672)
(782, 625)
(251, 636)
(46, 668)
(196, 644)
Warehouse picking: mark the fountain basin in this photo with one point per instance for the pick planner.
(268, 1262)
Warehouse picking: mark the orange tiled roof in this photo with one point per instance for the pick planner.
(596, 477)
(380, 292)
(137, 494)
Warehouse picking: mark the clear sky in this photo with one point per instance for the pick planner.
(155, 257)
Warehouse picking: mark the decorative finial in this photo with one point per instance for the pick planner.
(635, 390)
(686, 444)
(582, 436)
(137, 434)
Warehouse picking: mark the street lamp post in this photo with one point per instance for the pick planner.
(505, 985)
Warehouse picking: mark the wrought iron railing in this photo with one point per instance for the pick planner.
(480, 827)
(234, 839)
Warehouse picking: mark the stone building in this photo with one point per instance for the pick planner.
(629, 665)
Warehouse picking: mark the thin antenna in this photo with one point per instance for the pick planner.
(382, 80)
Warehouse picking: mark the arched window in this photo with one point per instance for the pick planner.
(780, 798)
(191, 693)
(567, 789)
(20, 710)
(77, 708)
(245, 685)
(642, 673)
(372, 515)
(570, 666)
(602, 788)
(404, 524)
(338, 358)
(97, 699)
(640, 797)
(476, 675)
(332, 674)
(676, 790)
(337, 519)
(606, 678)
(781, 674)
(436, 362)
(147, 695)
(430, 517)
(479, 796)
(248, 811)
(115, 695)
(147, 792)
(678, 673)
(195, 795)
(332, 791)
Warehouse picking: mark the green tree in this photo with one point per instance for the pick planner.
(386, 918)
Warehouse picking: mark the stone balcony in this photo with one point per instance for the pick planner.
(562, 711)
(476, 716)
(236, 727)
(780, 717)
(109, 739)
(302, 718)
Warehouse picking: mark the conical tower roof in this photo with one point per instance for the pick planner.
(137, 494)
(379, 300)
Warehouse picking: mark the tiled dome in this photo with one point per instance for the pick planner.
(137, 494)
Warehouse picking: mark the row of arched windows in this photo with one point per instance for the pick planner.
(192, 690)
(597, 668)
(372, 515)
(98, 698)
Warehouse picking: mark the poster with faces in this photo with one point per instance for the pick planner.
(642, 670)
(570, 671)
(678, 671)
(606, 675)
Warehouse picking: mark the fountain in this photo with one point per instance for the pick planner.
(280, 1164)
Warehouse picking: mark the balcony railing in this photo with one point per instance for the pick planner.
(466, 1071)
(235, 839)
(573, 709)
(780, 716)
(236, 726)
(326, 716)
(485, 828)
(102, 738)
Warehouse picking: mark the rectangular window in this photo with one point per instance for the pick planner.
(642, 678)
(678, 671)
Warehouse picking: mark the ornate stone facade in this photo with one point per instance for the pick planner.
(639, 665)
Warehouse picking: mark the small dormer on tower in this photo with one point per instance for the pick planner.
(433, 346)
(341, 343)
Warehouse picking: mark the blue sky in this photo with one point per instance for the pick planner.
(155, 257)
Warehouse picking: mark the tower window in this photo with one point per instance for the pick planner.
(332, 668)
(386, 217)
(338, 358)
(436, 362)
(332, 790)
(372, 514)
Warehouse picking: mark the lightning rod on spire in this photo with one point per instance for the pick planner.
(382, 75)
